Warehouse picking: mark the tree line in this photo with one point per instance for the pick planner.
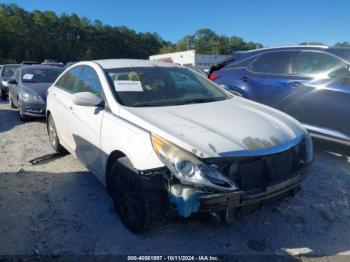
(45, 35)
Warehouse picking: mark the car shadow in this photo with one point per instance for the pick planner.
(9, 119)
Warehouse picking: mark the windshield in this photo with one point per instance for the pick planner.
(162, 86)
(9, 70)
(40, 75)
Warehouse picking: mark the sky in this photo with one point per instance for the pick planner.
(270, 22)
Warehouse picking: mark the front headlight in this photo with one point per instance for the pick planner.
(188, 168)
(28, 97)
(4, 83)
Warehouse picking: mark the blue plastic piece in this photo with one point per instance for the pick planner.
(185, 207)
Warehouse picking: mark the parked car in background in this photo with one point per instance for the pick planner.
(198, 70)
(310, 83)
(6, 73)
(53, 63)
(160, 136)
(29, 63)
(27, 89)
(70, 63)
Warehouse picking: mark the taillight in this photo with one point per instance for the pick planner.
(213, 76)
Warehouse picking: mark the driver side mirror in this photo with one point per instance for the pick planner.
(12, 82)
(87, 99)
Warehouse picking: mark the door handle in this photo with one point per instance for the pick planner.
(244, 78)
(70, 108)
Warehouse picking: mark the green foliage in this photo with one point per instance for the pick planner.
(206, 41)
(343, 44)
(44, 35)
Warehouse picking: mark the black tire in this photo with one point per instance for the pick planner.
(141, 202)
(53, 137)
(3, 95)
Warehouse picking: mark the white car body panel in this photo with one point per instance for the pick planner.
(212, 129)
(61, 101)
(206, 129)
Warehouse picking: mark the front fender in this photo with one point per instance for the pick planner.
(133, 141)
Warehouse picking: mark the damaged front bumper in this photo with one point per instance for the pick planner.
(188, 200)
(223, 201)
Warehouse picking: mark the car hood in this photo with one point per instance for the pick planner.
(229, 127)
(38, 88)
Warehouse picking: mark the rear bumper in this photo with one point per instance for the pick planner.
(223, 201)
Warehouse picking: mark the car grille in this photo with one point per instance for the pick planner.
(258, 172)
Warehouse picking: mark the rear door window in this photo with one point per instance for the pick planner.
(273, 63)
(316, 63)
(68, 80)
(89, 81)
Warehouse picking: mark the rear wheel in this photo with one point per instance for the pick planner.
(54, 141)
(141, 202)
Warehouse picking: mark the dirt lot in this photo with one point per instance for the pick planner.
(59, 208)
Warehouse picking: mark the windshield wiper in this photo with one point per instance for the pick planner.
(201, 100)
(183, 102)
(146, 104)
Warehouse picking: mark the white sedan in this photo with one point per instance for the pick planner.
(164, 138)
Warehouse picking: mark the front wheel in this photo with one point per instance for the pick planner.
(3, 94)
(141, 202)
(54, 141)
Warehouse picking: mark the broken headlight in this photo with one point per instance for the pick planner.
(188, 168)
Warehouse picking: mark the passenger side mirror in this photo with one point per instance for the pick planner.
(87, 99)
(12, 82)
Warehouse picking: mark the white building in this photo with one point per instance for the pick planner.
(189, 58)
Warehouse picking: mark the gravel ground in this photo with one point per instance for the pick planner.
(58, 208)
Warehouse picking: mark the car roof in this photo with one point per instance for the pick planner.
(241, 55)
(296, 47)
(40, 67)
(11, 65)
(122, 63)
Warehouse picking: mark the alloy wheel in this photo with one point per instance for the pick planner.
(52, 132)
